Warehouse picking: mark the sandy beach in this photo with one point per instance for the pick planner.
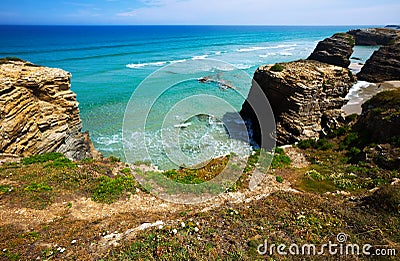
(366, 91)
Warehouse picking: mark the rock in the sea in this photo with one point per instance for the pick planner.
(39, 113)
(384, 64)
(306, 97)
(374, 36)
(335, 50)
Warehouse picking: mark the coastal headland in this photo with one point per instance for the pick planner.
(337, 175)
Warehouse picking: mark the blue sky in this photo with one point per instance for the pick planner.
(220, 12)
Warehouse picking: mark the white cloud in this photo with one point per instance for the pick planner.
(255, 12)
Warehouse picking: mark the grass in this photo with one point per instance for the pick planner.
(280, 160)
(321, 144)
(276, 68)
(109, 190)
(283, 218)
(42, 158)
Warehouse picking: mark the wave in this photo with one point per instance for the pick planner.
(177, 61)
(108, 140)
(141, 65)
(285, 54)
(242, 66)
(260, 48)
(354, 92)
(200, 57)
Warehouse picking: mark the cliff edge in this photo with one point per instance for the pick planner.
(306, 97)
(39, 113)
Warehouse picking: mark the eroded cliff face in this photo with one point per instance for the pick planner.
(335, 50)
(384, 64)
(39, 113)
(306, 97)
(374, 36)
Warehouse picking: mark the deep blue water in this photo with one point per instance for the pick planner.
(109, 62)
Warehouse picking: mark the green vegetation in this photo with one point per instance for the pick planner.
(276, 68)
(335, 166)
(34, 187)
(110, 190)
(10, 58)
(321, 144)
(114, 159)
(42, 158)
(280, 160)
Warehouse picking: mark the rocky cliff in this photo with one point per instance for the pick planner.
(384, 64)
(379, 123)
(306, 97)
(39, 113)
(374, 36)
(335, 50)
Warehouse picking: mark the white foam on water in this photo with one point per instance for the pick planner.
(200, 57)
(242, 66)
(285, 54)
(141, 65)
(353, 95)
(260, 48)
(109, 140)
(177, 61)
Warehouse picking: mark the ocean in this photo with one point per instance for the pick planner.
(108, 63)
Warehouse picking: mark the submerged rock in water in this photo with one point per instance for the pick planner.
(39, 113)
(306, 97)
(335, 50)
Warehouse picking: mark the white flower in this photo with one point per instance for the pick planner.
(73, 242)
(160, 227)
(174, 231)
(196, 229)
(183, 224)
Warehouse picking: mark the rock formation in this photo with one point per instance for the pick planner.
(374, 36)
(335, 50)
(382, 110)
(306, 97)
(384, 64)
(379, 123)
(39, 113)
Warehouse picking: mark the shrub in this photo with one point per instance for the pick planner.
(306, 144)
(279, 179)
(110, 190)
(114, 159)
(280, 160)
(276, 68)
(61, 163)
(42, 158)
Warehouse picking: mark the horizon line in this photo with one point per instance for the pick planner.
(324, 25)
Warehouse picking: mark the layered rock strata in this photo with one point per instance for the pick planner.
(384, 64)
(335, 50)
(39, 113)
(374, 36)
(306, 97)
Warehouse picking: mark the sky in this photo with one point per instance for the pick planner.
(200, 12)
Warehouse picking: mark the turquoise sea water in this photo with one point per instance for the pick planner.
(109, 62)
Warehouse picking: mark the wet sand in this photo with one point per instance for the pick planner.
(366, 93)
